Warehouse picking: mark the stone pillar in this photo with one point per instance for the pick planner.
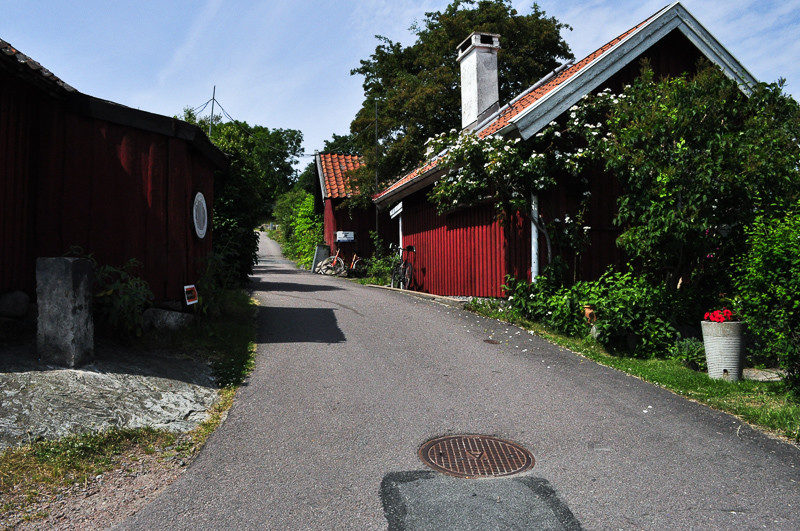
(65, 328)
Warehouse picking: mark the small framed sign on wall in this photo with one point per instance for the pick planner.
(190, 293)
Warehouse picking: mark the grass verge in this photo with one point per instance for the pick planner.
(767, 405)
(34, 472)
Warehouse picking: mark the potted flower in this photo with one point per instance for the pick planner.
(722, 339)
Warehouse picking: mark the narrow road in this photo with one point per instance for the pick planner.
(351, 380)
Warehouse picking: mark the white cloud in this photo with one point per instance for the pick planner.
(193, 36)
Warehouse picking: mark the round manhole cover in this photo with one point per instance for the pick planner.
(475, 456)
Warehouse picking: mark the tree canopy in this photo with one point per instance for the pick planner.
(260, 170)
(416, 87)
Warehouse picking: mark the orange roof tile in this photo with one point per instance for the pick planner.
(525, 102)
(538, 93)
(335, 171)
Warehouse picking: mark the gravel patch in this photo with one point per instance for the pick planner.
(104, 501)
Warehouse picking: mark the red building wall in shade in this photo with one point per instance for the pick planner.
(68, 179)
(465, 252)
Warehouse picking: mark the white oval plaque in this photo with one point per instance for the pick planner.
(200, 215)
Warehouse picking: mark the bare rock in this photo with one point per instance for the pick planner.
(158, 319)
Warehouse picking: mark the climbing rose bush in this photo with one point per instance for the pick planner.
(492, 169)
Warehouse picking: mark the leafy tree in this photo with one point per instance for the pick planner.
(768, 286)
(299, 227)
(698, 160)
(260, 169)
(417, 86)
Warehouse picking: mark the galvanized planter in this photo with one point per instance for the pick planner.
(724, 351)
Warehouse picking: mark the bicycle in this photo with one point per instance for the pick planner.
(403, 272)
(334, 265)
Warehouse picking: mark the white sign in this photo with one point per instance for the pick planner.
(397, 209)
(345, 236)
(200, 215)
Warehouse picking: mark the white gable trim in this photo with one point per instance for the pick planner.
(321, 176)
(553, 104)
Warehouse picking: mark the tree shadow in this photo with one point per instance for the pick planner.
(277, 324)
(290, 287)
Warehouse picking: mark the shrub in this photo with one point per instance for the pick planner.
(299, 227)
(690, 352)
(633, 316)
(768, 288)
(382, 261)
(120, 298)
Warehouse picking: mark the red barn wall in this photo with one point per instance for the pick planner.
(465, 252)
(361, 221)
(116, 191)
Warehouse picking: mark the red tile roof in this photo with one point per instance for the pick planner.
(524, 102)
(538, 93)
(335, 170)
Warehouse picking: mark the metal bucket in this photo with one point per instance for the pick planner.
(724, 350)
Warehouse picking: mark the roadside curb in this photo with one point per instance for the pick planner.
(448, 301)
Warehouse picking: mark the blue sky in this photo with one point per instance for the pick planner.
(287, 63)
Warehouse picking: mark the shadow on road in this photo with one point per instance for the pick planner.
(290, 287)
(298, 325)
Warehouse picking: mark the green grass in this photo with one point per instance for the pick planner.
(41, 469)
(765, 404)
(377, 281)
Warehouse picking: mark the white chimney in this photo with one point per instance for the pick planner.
(477, 56)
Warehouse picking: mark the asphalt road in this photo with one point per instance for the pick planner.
(351, 380)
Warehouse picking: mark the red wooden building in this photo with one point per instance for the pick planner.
(332, 188)
(78, 171)
(467, 251)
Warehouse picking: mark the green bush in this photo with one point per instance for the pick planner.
(299, 227)
(382, 261)
(690, 352)
(120, 298)
(768, 286)
(633, 316)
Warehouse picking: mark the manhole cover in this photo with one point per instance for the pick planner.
(475, 456)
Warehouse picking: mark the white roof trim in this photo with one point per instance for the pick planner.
(561, 98)
(321, 176)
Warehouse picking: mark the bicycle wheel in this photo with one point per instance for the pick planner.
(396, 276)
(327, 266)
(339, 269)
(408, 276)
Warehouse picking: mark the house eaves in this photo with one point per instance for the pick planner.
(533, 118)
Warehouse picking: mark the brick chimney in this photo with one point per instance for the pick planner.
(477, 56)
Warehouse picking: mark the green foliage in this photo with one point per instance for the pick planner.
(299, 226)
(382, 262)
(260, 168)
(697, 159)
(690, 352)
(416, 86)
(493, 168)
(768, 286)
(633, 316)
(120, 298)
(219, 277)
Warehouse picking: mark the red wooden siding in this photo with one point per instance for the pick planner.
(466, 252)
(361, 221)
(116, 191)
